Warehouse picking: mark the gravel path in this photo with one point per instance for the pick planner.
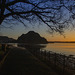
(21, 62)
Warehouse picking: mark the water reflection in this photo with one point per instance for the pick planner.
(32, 46)
(63, 48)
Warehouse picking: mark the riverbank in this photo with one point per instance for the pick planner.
(61, 64)
(3, 55)
(21, 62)
(3, 59)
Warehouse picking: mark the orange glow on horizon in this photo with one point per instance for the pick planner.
(69, 36)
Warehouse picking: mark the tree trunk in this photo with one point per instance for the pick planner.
(2, 9)
(1, 19)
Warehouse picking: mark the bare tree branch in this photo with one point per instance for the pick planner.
(49, 12)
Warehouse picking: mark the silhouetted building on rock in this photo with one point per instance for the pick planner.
(31, 37)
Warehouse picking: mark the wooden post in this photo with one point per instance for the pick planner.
(40, 52)
(49, 55)
(35, 52)
(45, 54)
(55, 59)
(4, 47)
(74, 65)
(64, 64)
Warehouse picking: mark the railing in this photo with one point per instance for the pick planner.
(66, 63)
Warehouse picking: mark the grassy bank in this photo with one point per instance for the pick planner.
(61, 64)
(3, 55)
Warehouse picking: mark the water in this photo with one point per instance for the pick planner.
(64, 48)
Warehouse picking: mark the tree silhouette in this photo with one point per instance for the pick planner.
(56, 14)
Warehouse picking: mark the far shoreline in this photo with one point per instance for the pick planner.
(61, 41)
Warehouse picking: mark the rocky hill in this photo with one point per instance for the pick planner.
(31, 37)
(5, 39)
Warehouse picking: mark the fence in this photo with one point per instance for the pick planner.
(66, 63)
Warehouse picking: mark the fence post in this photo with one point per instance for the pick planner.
(40, 52)
(55, 59)
(4, 47)
(45, 54)
(74, 64)
(64, 63)
(49, 55)
(36, 53)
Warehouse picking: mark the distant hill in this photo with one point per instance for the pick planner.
(31, 37)
(5, 39)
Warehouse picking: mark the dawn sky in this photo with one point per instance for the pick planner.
(19, 29)
(62, 16)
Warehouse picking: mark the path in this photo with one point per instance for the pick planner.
(22, 62)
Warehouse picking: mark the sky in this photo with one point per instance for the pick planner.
(19, 29)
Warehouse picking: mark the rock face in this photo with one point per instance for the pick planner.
(5, 39)
(31, 37)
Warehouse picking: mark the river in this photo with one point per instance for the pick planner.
(63, 48)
